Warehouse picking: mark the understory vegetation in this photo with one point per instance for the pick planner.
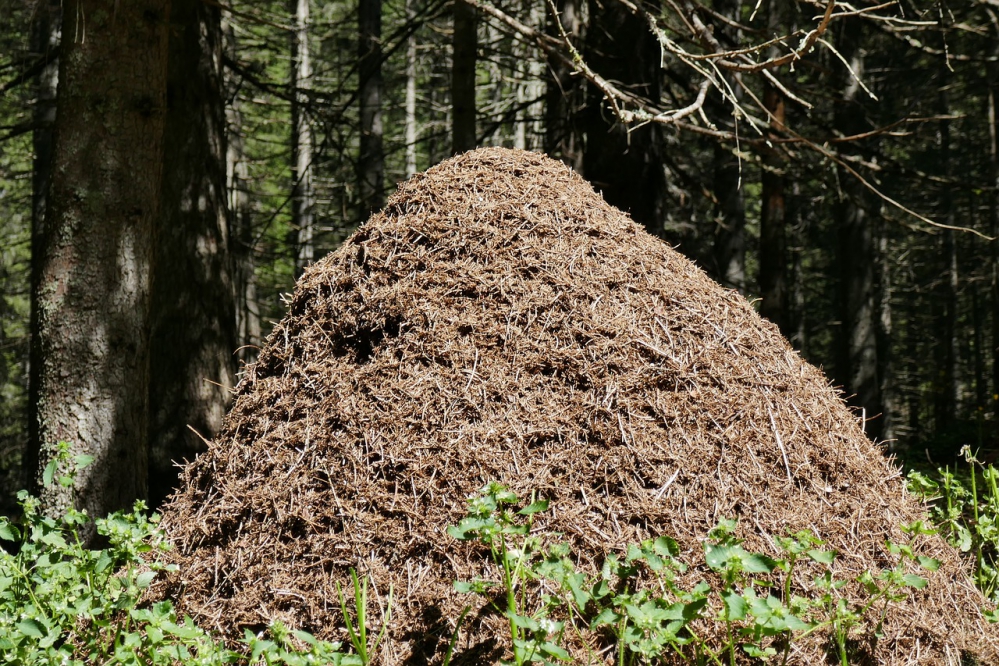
(62, 603)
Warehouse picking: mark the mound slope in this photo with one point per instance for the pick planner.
(500, 321)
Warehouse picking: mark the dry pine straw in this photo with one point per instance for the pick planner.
(500, 321)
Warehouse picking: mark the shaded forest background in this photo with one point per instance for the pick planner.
(836, 162)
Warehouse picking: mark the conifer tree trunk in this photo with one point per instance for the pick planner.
(44, 40)
(371, 165)
(302, 197)
(465, 46)
(858, 362)
(93, 293)
(729, 232)
(565, 95)
(193, 305)
(410, 95)
(243, 237)
(947, 390)
(993, 96)
(624, 163)
(730, 221)
(773, 210)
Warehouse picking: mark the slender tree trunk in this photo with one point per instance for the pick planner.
(410, 95)
(302, 197)
(773, 222)
(729, 232)
(193, 309)
(93, 293)
(44, 39)
(565, 95)
(465, 47)
(624, 163)
(242, 239)
(946, 403)
(371, 165)
(994, 221)
(886, 430)
(862, 312)
(730, 221)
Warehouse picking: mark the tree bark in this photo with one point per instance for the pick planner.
(773, 222)
(243, 237)
(465, 47)
(302, 197)
(861, 311)
(947, 391)
(44, 39)
(371, 165)
(93, 293)
(625, 166)
(730, 221)
(993, 73)
(193, 308)
(411, 130)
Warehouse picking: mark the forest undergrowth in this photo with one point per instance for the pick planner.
(64, 603)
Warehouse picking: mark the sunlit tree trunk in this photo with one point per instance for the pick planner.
(302, 197)
(465, 46)
(94, 288)
(243, 238)
(411, 132)
(193, 309)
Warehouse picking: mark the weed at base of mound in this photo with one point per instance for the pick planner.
(965, 506)
(644, 616)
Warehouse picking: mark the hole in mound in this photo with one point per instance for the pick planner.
(365, 341)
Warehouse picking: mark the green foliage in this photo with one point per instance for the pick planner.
(964, 503)
(636, 603)
(62, 603)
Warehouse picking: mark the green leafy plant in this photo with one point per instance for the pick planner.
(490, 520)
(636, 601)
(64, 604)
(964, 504)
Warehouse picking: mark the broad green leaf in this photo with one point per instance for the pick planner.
(8, 532)
(823, 556)
(49, 472)
(912, 580)
(756, 563)
(145, 579)
(666, 547)
(606, 616)
(535, 507)
(31, 627)
(928, 563)
(735, 605)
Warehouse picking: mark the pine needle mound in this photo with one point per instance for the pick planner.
(500, 321)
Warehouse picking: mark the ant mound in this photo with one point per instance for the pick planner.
(499, 321)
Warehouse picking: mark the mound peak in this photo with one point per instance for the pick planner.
(500, 321)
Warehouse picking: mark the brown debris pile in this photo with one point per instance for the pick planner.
(500, 321)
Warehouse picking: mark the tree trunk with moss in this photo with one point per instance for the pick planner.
(93, 292)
